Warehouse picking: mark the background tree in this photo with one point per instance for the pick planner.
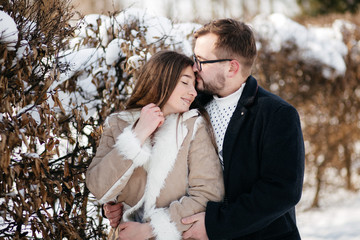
(38, 196)
(316, 7)
(328, 106)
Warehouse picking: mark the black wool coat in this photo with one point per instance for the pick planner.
(263, 154)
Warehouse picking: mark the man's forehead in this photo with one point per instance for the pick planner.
(205, 45)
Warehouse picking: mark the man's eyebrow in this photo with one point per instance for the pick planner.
(196, 55)
(200, 57)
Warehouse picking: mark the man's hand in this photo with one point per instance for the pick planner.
(113, 212)
(134, 231)
(197, 230)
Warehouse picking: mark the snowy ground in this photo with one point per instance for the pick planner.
(338, 221)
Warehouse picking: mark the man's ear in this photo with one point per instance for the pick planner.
(234, 68)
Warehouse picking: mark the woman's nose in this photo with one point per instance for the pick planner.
(193, 91)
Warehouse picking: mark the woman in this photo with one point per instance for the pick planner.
(157, 157)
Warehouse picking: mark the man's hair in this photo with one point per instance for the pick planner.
(235, 40)
(158, 79)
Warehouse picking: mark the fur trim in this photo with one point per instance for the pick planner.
(163, 157)
(162, 226)
(129, 146)
(198, 122)
(127, 216)
(161, 162)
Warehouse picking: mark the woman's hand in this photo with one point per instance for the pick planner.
(134, 231)
(150, 119)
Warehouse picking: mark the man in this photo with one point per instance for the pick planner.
(259, 141)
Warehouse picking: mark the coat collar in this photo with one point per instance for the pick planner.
(248, 95)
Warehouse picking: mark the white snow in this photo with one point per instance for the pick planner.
(93, 23)
(23, 50)
(8, 31)
(316, 45)
(113, 51)
(189, 10)
(337, 221)
(181, 32)
(80, 60)
(157, 27)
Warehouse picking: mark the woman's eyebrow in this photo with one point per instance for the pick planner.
(188, 76)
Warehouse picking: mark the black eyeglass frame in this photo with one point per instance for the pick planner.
(198, 62)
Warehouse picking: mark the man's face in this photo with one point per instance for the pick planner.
(211, 78)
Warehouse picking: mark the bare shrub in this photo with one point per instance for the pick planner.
(42, 193)
(57, 87)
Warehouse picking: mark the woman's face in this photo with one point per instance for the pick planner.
(183, 94)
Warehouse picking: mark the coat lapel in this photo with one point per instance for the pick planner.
(236, 122)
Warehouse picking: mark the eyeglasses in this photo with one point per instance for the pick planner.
(198, 62)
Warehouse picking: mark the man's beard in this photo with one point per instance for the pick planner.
(213, 87)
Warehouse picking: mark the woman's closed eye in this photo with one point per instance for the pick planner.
(186, 83)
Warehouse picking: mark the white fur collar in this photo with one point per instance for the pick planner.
(162, 159)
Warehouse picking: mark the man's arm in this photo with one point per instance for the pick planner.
(113, 212)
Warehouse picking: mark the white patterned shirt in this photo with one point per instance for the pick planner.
(220, 111)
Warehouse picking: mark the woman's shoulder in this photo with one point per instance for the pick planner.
(191, 114)
(193, 119)
(122, 118)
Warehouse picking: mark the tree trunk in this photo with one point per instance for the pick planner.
(348, 164)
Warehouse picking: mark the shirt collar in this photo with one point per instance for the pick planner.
(232, 99)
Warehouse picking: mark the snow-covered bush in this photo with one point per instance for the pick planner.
(58, 84)
(42, 193)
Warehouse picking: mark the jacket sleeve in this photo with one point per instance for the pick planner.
(278, 187)
(205, 183)
(118, 154)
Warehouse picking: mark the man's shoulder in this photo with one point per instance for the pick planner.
(270, 99)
